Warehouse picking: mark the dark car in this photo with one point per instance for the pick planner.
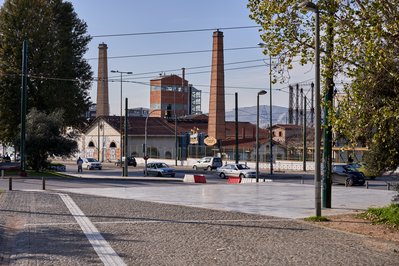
(347, 175)
(131, 161)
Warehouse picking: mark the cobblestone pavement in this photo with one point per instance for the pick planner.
(38, 229)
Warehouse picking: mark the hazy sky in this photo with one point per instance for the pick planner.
(135, 16)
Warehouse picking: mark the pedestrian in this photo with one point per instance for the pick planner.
(350, 159)
(79, 162)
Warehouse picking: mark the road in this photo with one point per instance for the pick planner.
(110, 176)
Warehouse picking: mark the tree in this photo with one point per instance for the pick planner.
(369, 114)
(59, 77)
(359, 43)
(45, 138)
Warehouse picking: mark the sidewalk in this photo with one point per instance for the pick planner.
(50, 228)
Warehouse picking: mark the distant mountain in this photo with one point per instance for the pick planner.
(248, 114)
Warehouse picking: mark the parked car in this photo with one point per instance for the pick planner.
(6, 159)
(208, 163)
(131, 161)
(160, 169)
(91, 163)
(237, 170)
(361, 167)
(347, 175)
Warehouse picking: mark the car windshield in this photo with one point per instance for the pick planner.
(242, 166)
(162, 165)
(91, 160)
(350, 168)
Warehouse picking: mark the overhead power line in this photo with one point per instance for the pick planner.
(172, 31)
(174, 53)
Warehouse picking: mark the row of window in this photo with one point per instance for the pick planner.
(111, 145)
(168, 88)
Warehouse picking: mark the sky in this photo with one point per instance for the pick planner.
(105, 17)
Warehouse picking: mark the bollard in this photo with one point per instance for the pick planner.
(367, 184)
(2, 173)
(43, 183)
(388, 186)
(302, 180)
(10, 183)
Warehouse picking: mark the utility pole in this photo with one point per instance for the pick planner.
(328, 100)
(236, 125)
(304, 135)
(23, 105)
(125, 173)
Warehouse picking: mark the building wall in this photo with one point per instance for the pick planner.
(167, 91)
(104, 136)
(101, 140)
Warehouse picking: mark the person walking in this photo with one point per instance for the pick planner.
(79, 162)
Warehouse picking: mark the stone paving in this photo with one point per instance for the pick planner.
(38, 229)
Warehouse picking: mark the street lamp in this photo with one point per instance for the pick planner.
(314, 8)
(121, 127)
(262, 92)
(270, 111)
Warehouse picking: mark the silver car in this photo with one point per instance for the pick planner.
(91, 163)
(235, 170)
(208, 163)
(160, 169)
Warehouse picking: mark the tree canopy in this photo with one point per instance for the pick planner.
(45, 138)
(58, 76)
(359, 51)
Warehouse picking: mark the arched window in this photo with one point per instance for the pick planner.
(112, 145)
(91, 144)
(168, 155)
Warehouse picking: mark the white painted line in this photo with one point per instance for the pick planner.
(104, 251)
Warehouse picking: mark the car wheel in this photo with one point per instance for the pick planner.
(159, 174)
(222, 175)
(209, 168)
(195, 167)
(349, 182)
(242, 175)
(100, 168)
(172, 175)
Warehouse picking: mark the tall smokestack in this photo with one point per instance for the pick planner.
(216, 122)
(102, 82)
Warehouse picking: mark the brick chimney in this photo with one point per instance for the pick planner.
(216, 122)
(102, 82)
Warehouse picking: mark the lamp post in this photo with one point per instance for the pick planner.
(121, 126)
(262, 92)
(314, 8)
(270, 111)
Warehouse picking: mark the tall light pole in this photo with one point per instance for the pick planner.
(262, 92)
(270, 111)
(314, 8)
(121, 120)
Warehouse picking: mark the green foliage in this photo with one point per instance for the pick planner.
(360, 44)
(59, 77)
(45, 139)
(316, 219)
(385, 215)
